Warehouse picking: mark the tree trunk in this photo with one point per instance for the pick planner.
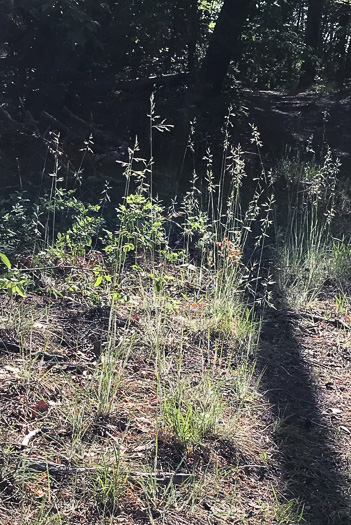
(341, 44)
(312, 40)
(192, 34)
(223, 43)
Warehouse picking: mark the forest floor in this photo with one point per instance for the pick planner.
(282, 456)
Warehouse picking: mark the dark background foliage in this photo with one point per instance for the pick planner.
(82, 68)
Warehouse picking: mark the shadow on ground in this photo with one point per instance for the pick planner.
(311, 468)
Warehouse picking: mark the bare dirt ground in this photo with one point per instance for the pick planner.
(307, 363)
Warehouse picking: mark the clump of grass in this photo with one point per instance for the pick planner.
(191, 411)
(110, 373)
(77, 414)
(109, 485)
(341, 264)
(304, 244)
(288, 512)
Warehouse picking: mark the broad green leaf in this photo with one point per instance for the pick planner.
(5, 260)
(98, 281)
(19, 291)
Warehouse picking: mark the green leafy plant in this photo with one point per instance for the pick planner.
(142, 222)
(13, 281)
(73, 223)
(5, 260)
(20, 224)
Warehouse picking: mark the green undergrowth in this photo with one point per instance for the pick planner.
(310, 253)
(150, 318)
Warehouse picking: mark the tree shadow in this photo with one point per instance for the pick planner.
(310, 466)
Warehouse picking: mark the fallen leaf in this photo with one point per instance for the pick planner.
(42, 406)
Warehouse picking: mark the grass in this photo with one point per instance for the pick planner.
(134, 357)
(304, 244)
(153, 401)
(191, 411)
(289, 511)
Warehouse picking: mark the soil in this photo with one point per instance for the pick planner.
(287, 462)
(307, 379)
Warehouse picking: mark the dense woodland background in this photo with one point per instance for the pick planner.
(85, 68)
